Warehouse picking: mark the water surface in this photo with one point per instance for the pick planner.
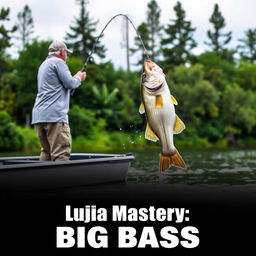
(204, 166)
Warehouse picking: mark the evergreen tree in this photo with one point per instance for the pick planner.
(25, 25)
(144, 33)
(81, 38)
(5, 38)
(218, 41)
(179, 41)
(4, 33)
(248, 48)
(154, 29)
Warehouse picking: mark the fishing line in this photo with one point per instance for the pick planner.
(98, 38)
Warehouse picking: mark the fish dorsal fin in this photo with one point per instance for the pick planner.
(179, 126)
(142, 108)
(150, 135)
(159, 101)
(175, 102)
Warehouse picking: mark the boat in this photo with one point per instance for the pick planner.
(29, 173)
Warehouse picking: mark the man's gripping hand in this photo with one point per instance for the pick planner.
(81, 75)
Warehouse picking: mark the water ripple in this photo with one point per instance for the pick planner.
(204, 167)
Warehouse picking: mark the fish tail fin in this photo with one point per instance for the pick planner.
(166, 161)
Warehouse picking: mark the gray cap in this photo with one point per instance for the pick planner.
(57, 46)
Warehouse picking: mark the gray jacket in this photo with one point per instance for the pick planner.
(54, 82)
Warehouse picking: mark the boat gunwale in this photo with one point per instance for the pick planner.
(105, 158)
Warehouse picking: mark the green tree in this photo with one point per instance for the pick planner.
(25, 25)
(179, 42)
(154, 29)
(75, 64)
(197, 98)
(5, 39)
(102, 73)
(8, 90)
(7, 79)
(82, 121)
(246, 76)
(144, 33)
(218, 40)
(118, 109)
(103, 98)
(238, 111)
(217, 70)
(248, 48)
(5, 36)
(10, 137)
(81, 37)
(128, 101)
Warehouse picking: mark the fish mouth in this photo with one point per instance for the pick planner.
(156, 88)
(149, 65)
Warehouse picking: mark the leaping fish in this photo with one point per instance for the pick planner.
(162, 122)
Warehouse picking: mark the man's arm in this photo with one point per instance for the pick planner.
(69, 81)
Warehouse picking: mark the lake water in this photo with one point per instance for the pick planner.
(204, 166)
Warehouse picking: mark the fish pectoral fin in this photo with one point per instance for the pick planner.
(175, 102)
(179, 126)
(142, 108)
(159, 101)
(150, 135)
(171, 160)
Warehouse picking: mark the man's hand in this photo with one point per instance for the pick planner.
(80, 74)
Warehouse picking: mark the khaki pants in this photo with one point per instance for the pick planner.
(55, 139)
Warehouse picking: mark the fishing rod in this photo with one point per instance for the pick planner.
(98, 38)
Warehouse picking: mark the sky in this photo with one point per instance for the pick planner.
(52, 19)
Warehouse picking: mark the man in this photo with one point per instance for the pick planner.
(49, 114)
